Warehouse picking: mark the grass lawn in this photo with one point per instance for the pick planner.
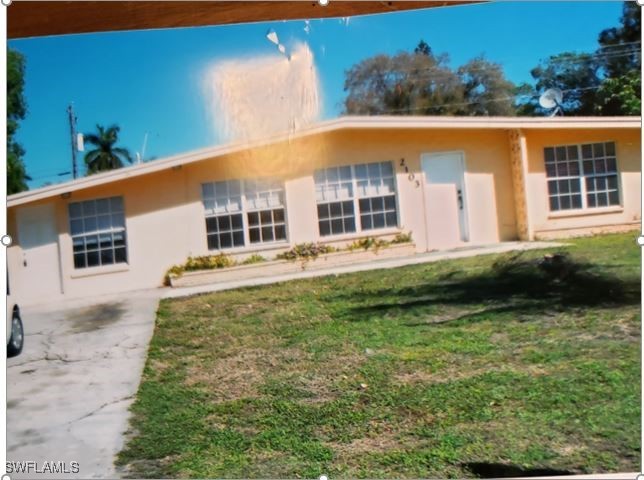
(475, 367)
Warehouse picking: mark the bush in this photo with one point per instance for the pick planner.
(306, 251)
(206, 262)
(209, 262)
(402, 238)
(368, 243)
(254, 258)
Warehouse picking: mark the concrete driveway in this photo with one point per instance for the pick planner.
(69, 391)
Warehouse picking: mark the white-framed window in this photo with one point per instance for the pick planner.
(266, 213)
(244, 212)
(367, 190)
(224, 218)
(582, 176)
(98, 233)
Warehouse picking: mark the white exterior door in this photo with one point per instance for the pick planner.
(39, 270)
(445, 198)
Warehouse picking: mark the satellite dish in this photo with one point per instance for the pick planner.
(552, 98)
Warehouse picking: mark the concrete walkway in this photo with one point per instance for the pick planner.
(363, 267)
(69, 391)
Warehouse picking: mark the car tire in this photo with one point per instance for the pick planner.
(17, 339)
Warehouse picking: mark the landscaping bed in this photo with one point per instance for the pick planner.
(514, 364)
(281, 267)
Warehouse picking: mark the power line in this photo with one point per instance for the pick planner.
(447, 69)
(490, 100)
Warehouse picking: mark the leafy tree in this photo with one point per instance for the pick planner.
(423, 48)
(418, 83)
(620, 57)
(606, 82)
(16, 110)
(105, 156)
(619, 47)
(576, 74)
(422, 83)
(486, 90)
(620, 96)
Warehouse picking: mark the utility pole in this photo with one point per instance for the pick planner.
(72, 126)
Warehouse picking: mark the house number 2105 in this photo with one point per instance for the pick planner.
(411, 176)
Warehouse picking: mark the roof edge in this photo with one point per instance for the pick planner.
(342, 123)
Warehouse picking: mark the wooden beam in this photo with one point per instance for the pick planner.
(42, 18)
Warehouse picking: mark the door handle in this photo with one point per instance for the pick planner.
(459, 197)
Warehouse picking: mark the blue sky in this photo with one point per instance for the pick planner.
(151, 81)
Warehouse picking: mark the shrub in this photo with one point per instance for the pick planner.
(402, 238)
(173, 272)
(206, 262)
(209, 262)
(368, 243)
(254, 258)
(305, 251)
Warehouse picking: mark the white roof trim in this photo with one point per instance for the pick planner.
(342, 123)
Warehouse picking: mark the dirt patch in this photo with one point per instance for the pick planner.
(240, 375)
(89, 319)
(455, 374)
(323, 378)
(359, 447)
(152, 468)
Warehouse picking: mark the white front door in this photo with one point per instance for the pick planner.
(445, 198)
(39, 275)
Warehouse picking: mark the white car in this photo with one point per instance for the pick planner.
(15, 332)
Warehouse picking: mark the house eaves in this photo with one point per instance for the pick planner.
(343, 123)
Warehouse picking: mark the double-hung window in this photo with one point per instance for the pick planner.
(334, 196)
(582, 176)
(242, 212)
(265, 206)
(98, 232)
(364, 190)
(224, 217)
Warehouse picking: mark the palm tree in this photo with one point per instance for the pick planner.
(106, 156)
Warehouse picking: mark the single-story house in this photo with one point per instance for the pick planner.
(451, 182)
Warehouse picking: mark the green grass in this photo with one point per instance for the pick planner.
(450, 369)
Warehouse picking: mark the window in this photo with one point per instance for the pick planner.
(98, 232)
(377, 195)
(368, 189)
(334, 196)
(223, 204)
(582, 176)
(242, 212)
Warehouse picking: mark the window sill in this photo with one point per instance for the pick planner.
(264, 247)
(366, 233)
(585, 212)
(94, 271)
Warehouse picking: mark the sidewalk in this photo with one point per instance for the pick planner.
(364, 266)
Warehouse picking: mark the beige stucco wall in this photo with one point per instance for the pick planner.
(546, 224)
(165, 216)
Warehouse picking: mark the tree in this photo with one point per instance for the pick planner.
(606, 82)
(16, 110)
(418, 83)
(620, 47)
(619, 56)
(576, 74)
(620, 96)
(423, 48)
(422, 83)
(106, 156)
(486, 90)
